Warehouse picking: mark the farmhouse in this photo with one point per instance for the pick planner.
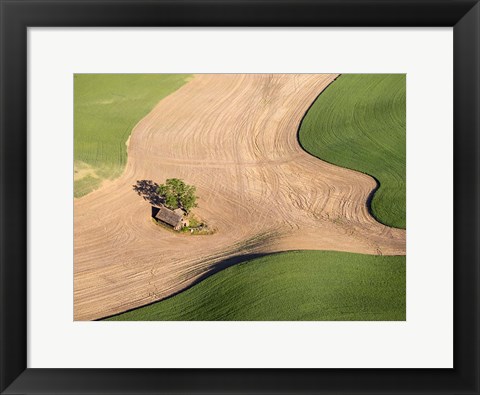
(174, 218)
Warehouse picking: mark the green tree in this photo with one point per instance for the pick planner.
(176, 194)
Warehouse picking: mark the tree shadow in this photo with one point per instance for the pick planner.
(148, 190)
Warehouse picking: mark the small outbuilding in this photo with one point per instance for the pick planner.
(175, 218)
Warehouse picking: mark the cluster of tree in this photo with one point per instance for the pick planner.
(176, 194)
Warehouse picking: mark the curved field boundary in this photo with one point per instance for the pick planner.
(359, 122)
(300, 285)
(106, 109)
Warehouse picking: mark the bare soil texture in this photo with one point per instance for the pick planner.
(234, 137)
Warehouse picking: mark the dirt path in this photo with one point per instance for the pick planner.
(235, 138)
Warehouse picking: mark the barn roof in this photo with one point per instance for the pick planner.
(170, 217)
(178, 211)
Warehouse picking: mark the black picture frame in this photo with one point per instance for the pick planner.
(18, 15)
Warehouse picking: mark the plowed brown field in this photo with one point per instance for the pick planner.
(235, 138)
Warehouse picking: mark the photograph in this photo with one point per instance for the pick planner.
(239, 197)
